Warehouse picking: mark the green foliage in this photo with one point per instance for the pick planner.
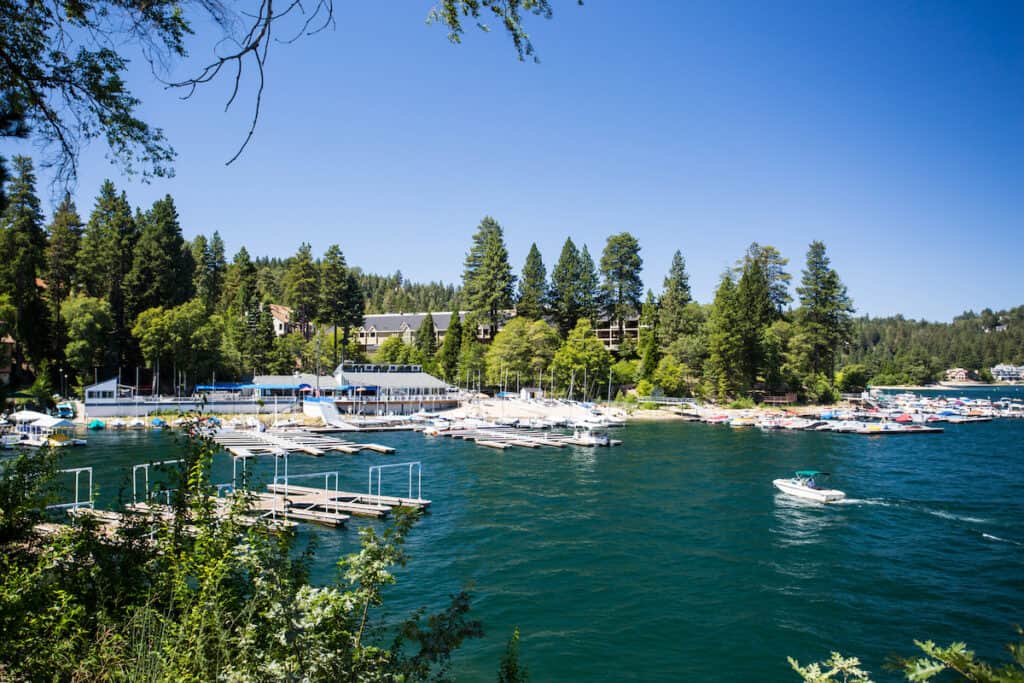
(202, 596)
(522, 349)
(23, 242)
(724, 367)
(426, 337)
(448, 355)
(88, 322)
(105, 258)
(955, 660)
(624, 372)
(567, 296)
(341, 299)
(61, 254)
(773, 265)
(162, 266)
(210, 270)
(582, 362)
(510, 670)
(487, 280)
(853, 378)
(673, 377)
(302, 288)
(533, 286)
(742, 403)
(675, 298)
(622, 287)
(644, 388)
(824, 316)
(472, 354)
(836, 668)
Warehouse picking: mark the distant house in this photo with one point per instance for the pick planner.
(380, 326)
(1008, 373)
(282, 316)
(957, 375)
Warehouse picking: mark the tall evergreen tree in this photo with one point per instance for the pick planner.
(200, 248)
(302, 288)
(426, 338)
(448, 356)
(565, 297)
(723, 368)
(589, 288)
(105, 259)
(824, 316)
(337, 305)
(622, 287)
(773, 265)
(215, 267)
(161, 273)
(240, 288)
(674, 299)
(472, 363)
(24, 246)
(533, 286)
(753, 299)
(487, 280)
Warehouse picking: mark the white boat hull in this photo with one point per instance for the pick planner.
(798, 490)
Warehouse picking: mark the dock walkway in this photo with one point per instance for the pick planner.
(273, 442)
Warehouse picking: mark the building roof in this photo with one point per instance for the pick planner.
(298, 381)
(390, 380)
(392, 322)
(282, 313)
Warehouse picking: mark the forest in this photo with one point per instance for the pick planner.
(122, 292)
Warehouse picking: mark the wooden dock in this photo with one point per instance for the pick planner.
(502, 438)
(274, 442)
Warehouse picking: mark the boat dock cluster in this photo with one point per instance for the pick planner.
(881, 415)
(502, 435)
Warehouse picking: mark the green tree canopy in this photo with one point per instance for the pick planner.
(302, 288)
(487, 280)
(426, 337)
(674, 300)
(533, 286)
(88, 322)
(448, 355)
(621, 287)
(825, 314)
(162, 266)
(582, 362)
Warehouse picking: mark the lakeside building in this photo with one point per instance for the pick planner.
(354, 389)
(378, 327)
(1008, 373)
(957, 375)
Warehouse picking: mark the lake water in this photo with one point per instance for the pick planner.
(672, 558)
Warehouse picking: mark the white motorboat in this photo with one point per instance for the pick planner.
(589, 437)
(804, 484)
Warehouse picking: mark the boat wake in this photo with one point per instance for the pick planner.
(960, 518)
(866, 501)
(908, 505)
(1002, 540)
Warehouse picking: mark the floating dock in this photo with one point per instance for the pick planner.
(502, 438)
(274, 442)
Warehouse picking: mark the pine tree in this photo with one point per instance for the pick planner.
(161, 273)
(824, 317)
(448, 356)
(471, 353)
(773, 264)
(302, 288)
(753, 299)
(426, 338)
(200, 248)
(622, 286)
(338, 306)
(24, 245)
(62, 252)
(589, 287)
(564, 297)
(487, 280)
(105, 258)
(533, 286)
(723, 369)
(674, 299)
(214, 265)
(240, 290)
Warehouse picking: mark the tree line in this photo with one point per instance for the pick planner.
(124, 292)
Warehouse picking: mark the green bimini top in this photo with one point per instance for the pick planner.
(810, 473)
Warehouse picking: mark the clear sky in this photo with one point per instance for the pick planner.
(894, 132)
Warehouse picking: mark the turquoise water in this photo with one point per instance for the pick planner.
(671, 558)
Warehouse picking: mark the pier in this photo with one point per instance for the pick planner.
(292, 441)
(502, 438)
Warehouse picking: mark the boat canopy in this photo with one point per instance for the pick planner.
(810, 473)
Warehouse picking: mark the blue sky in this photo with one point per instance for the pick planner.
(894, 132)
